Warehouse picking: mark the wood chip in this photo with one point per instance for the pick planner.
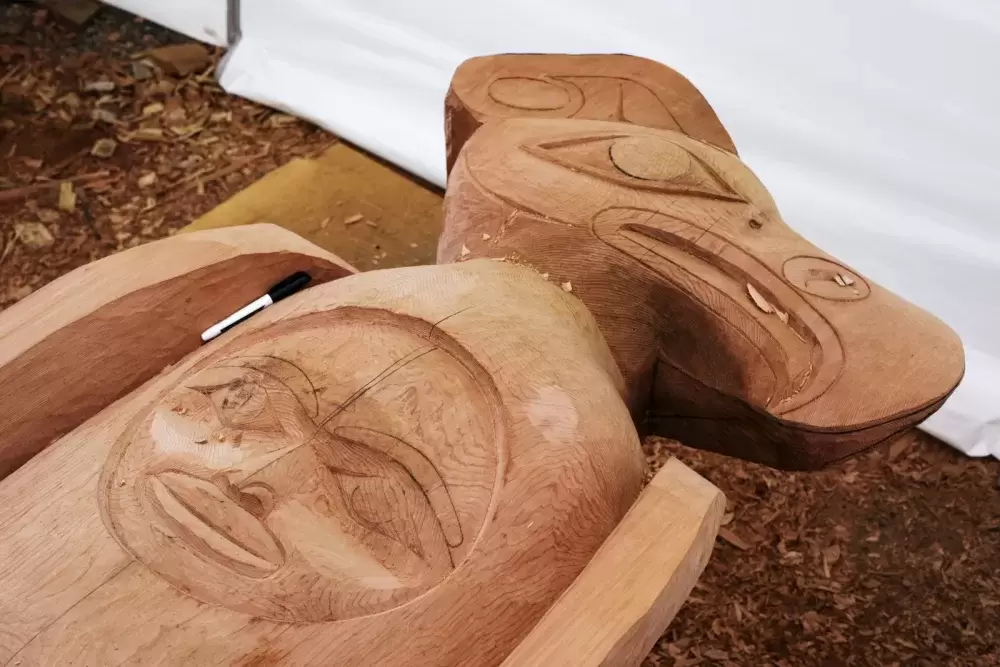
(281, 119)
(839, 279)
(832, 554)
(48, 216)
(148, 134)
(899, 447)
(35, 235)
(152, 109)
(486, 237)
(810, 621)
(545, 276)
(67, 197)
(465, 251)
(181, 59)
(371, 223)
(324, 222)
(759, 299)
(732, 538)
(847, 279)
(104, 148)
(147, 180)
(357, 217)
(104, 116)
(98, 86)
(782, 316)
(19, 193)
(567, 286)
(141, 71)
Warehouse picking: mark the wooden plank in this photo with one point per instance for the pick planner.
(345, 202)
(637, 581)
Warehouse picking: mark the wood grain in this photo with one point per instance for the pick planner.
(93, 335)
(608, 87)
(637, 581)
(404, 467)
(400, 219)
(733, 332)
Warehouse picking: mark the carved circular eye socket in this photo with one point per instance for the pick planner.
(755, 224)
(823, 278)
(651, 159)
(528, 94)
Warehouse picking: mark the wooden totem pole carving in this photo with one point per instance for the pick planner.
(439, 465)
(404, 467)
(732, 331)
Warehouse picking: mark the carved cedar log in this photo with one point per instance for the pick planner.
(98, 332)
(396, 468)
(733, 332)
(619, 88)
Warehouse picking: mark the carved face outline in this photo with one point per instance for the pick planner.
(244, 512)
(686, 210)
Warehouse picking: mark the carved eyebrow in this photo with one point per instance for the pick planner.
(210, 388)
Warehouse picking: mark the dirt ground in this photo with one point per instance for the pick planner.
(889, 559)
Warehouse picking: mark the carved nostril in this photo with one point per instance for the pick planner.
(755, 224)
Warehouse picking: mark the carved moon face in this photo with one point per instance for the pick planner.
(330, 467)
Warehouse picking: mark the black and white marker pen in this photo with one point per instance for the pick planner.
(287, 287)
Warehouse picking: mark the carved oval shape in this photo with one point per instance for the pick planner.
(317, 470)
(653, 159)
(825, 279)
(528, 94)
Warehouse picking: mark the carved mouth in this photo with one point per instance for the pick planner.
(794, 354)
(214, 525)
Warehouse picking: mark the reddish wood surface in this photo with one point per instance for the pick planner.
(619, 88)
(93, 335)
(732, 331)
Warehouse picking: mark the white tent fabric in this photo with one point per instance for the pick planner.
(205, 20)
(874, 125)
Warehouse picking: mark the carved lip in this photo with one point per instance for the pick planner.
(700, 254)
(214, 525)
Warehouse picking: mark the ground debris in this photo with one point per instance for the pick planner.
(104, 148)
(181, 59)
(857, 563)
(92, 108)
(34, 235)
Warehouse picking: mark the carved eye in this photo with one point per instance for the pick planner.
(528, 94)
(642, 162)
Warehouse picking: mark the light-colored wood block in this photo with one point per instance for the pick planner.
(345, 202)
(636, 582)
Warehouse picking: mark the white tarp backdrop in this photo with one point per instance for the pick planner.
(205, 20)
(876, 126)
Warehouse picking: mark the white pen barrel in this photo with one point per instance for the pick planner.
(241, 314)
